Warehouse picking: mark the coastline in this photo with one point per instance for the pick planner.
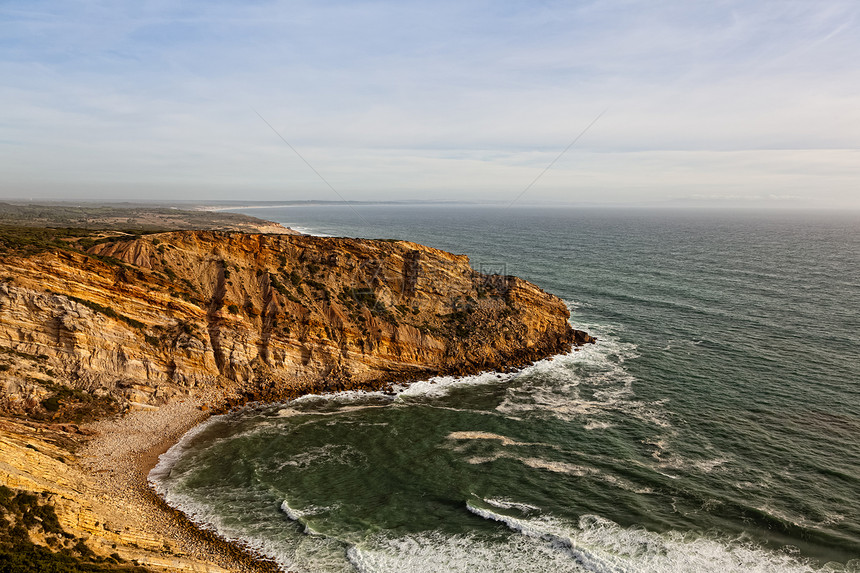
(183, 348)
(120, 458)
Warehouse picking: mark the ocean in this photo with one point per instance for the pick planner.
(715, 426)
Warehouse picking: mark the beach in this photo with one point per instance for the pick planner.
(119, 458)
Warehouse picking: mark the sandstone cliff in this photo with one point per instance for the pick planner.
(169, 314)
(172, 325)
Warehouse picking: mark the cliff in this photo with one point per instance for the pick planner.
(167, 314)
(167, 327)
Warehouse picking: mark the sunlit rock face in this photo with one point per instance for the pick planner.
(178, 313)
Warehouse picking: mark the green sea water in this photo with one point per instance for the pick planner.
(714, 427)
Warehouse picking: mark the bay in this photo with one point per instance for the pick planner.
(714, 427)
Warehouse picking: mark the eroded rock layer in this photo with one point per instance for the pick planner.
(151, 317)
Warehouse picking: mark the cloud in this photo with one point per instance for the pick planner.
(459, 97)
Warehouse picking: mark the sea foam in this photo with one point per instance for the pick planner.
(600, 545)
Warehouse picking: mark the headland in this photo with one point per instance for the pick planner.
(114, 343)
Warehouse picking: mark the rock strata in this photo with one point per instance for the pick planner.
(158, 316)
(170, 327)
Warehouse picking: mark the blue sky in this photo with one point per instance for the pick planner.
(706, 102)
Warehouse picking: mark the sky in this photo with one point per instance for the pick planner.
(717, 102)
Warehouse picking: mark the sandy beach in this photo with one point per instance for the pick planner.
(119, 459)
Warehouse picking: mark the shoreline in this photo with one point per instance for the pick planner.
(130, 447)
(119, 460)
(248, 559)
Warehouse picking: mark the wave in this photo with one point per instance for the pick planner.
(308, 231)
(167, 461)
(601, 545)
(590, 385)
(302, 515)
(433, 551)
(593, 544)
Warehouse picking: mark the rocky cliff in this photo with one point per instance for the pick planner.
(173, 325)
(146, 318)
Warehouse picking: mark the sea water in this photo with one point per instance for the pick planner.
(715, 426)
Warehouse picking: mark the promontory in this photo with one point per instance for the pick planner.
(113, 344)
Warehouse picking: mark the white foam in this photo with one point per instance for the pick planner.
(440, 386)
(290, 512)
(598, 544)
(557, 466)
(168, 460)
(345, 397)
(556, 387)
(258, 539)
(329, 453)
(300, 515)
(435, 552)
(476, 435)
(505, 503)
(308, 231)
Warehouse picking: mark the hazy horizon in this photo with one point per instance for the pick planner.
(733, 104)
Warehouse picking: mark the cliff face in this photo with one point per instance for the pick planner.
(181, 313)
(176, 323)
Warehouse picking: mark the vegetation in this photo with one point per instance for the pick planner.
(295, 278)
(144, 219)
(365, 296)
(71, 405)
(190, 285)
(21, 512)
(108, 311)
(276, 284)
(33, 240)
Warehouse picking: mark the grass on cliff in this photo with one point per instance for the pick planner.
(69, 405)
(34, 240)
(26, 241)
(149, 219)
(23, 514)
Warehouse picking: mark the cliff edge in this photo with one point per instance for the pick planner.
(272, 316)
(168, 327)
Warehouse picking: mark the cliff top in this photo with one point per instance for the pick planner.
(130, 219)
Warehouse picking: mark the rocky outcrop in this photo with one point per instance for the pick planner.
(171, 326)
(270, 316)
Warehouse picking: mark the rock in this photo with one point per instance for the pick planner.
(271, 315)
(581, 337)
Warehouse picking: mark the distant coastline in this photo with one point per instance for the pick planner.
(275, 205)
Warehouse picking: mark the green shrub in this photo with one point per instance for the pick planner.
(277, 285)
(51, 404)
(107, 311)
